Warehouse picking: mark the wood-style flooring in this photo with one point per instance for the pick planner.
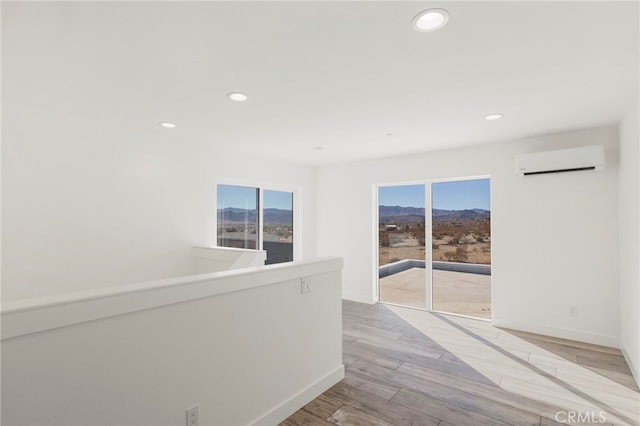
(410, 367)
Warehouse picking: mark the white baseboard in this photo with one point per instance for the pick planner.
(359, 298)
(300, 399)
(563, 333)
(632, 365)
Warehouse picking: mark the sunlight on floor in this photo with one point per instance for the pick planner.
(524, 368)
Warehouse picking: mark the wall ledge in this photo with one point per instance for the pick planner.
(405, 264)
(216, 259)
(23, 317)
(227, 252)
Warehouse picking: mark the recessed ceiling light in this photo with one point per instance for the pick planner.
(389, 134)
(237, 96)
(496, 116)
(167, 125)
(318, 148)
(430, 20)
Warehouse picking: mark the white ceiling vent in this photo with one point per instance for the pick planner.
(563, 160)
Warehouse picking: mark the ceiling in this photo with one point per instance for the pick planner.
(353, 78)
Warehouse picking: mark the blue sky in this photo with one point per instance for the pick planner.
(278, 200)
(245, 197)
(403, 196)
(458, 195)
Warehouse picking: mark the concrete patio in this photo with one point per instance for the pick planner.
(455, 292)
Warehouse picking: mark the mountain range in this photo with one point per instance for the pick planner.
(387, 214)
(398, 214)
(270, 216)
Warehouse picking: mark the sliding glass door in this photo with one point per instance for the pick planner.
(461, 247)
(454, 276)
(401, 245)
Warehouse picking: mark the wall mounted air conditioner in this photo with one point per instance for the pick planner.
(562, 160)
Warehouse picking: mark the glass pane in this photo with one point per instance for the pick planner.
(237, 216)
(278, 226)
(401, 239)
(461, 247)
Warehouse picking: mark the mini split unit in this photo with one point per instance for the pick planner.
(563, 160)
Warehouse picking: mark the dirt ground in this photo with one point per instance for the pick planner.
(477, 252)
(393, 254)
(408, 248)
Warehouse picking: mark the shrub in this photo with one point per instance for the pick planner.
(384, 239)
(461, 254)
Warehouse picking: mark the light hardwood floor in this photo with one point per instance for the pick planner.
(410, 367)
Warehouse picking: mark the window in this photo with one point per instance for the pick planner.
(277, 237)
(252, 218)
(238, 216)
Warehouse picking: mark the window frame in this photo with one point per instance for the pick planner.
(297, 222)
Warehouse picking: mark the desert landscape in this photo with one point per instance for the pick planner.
(457, 236)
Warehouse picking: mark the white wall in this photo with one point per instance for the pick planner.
(216, 259)
(141, 356)
(630, 237)
(90, 203)
(555, 237)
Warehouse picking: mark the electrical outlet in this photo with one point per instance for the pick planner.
(193, 416)
(573, 311)
(305, 285)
